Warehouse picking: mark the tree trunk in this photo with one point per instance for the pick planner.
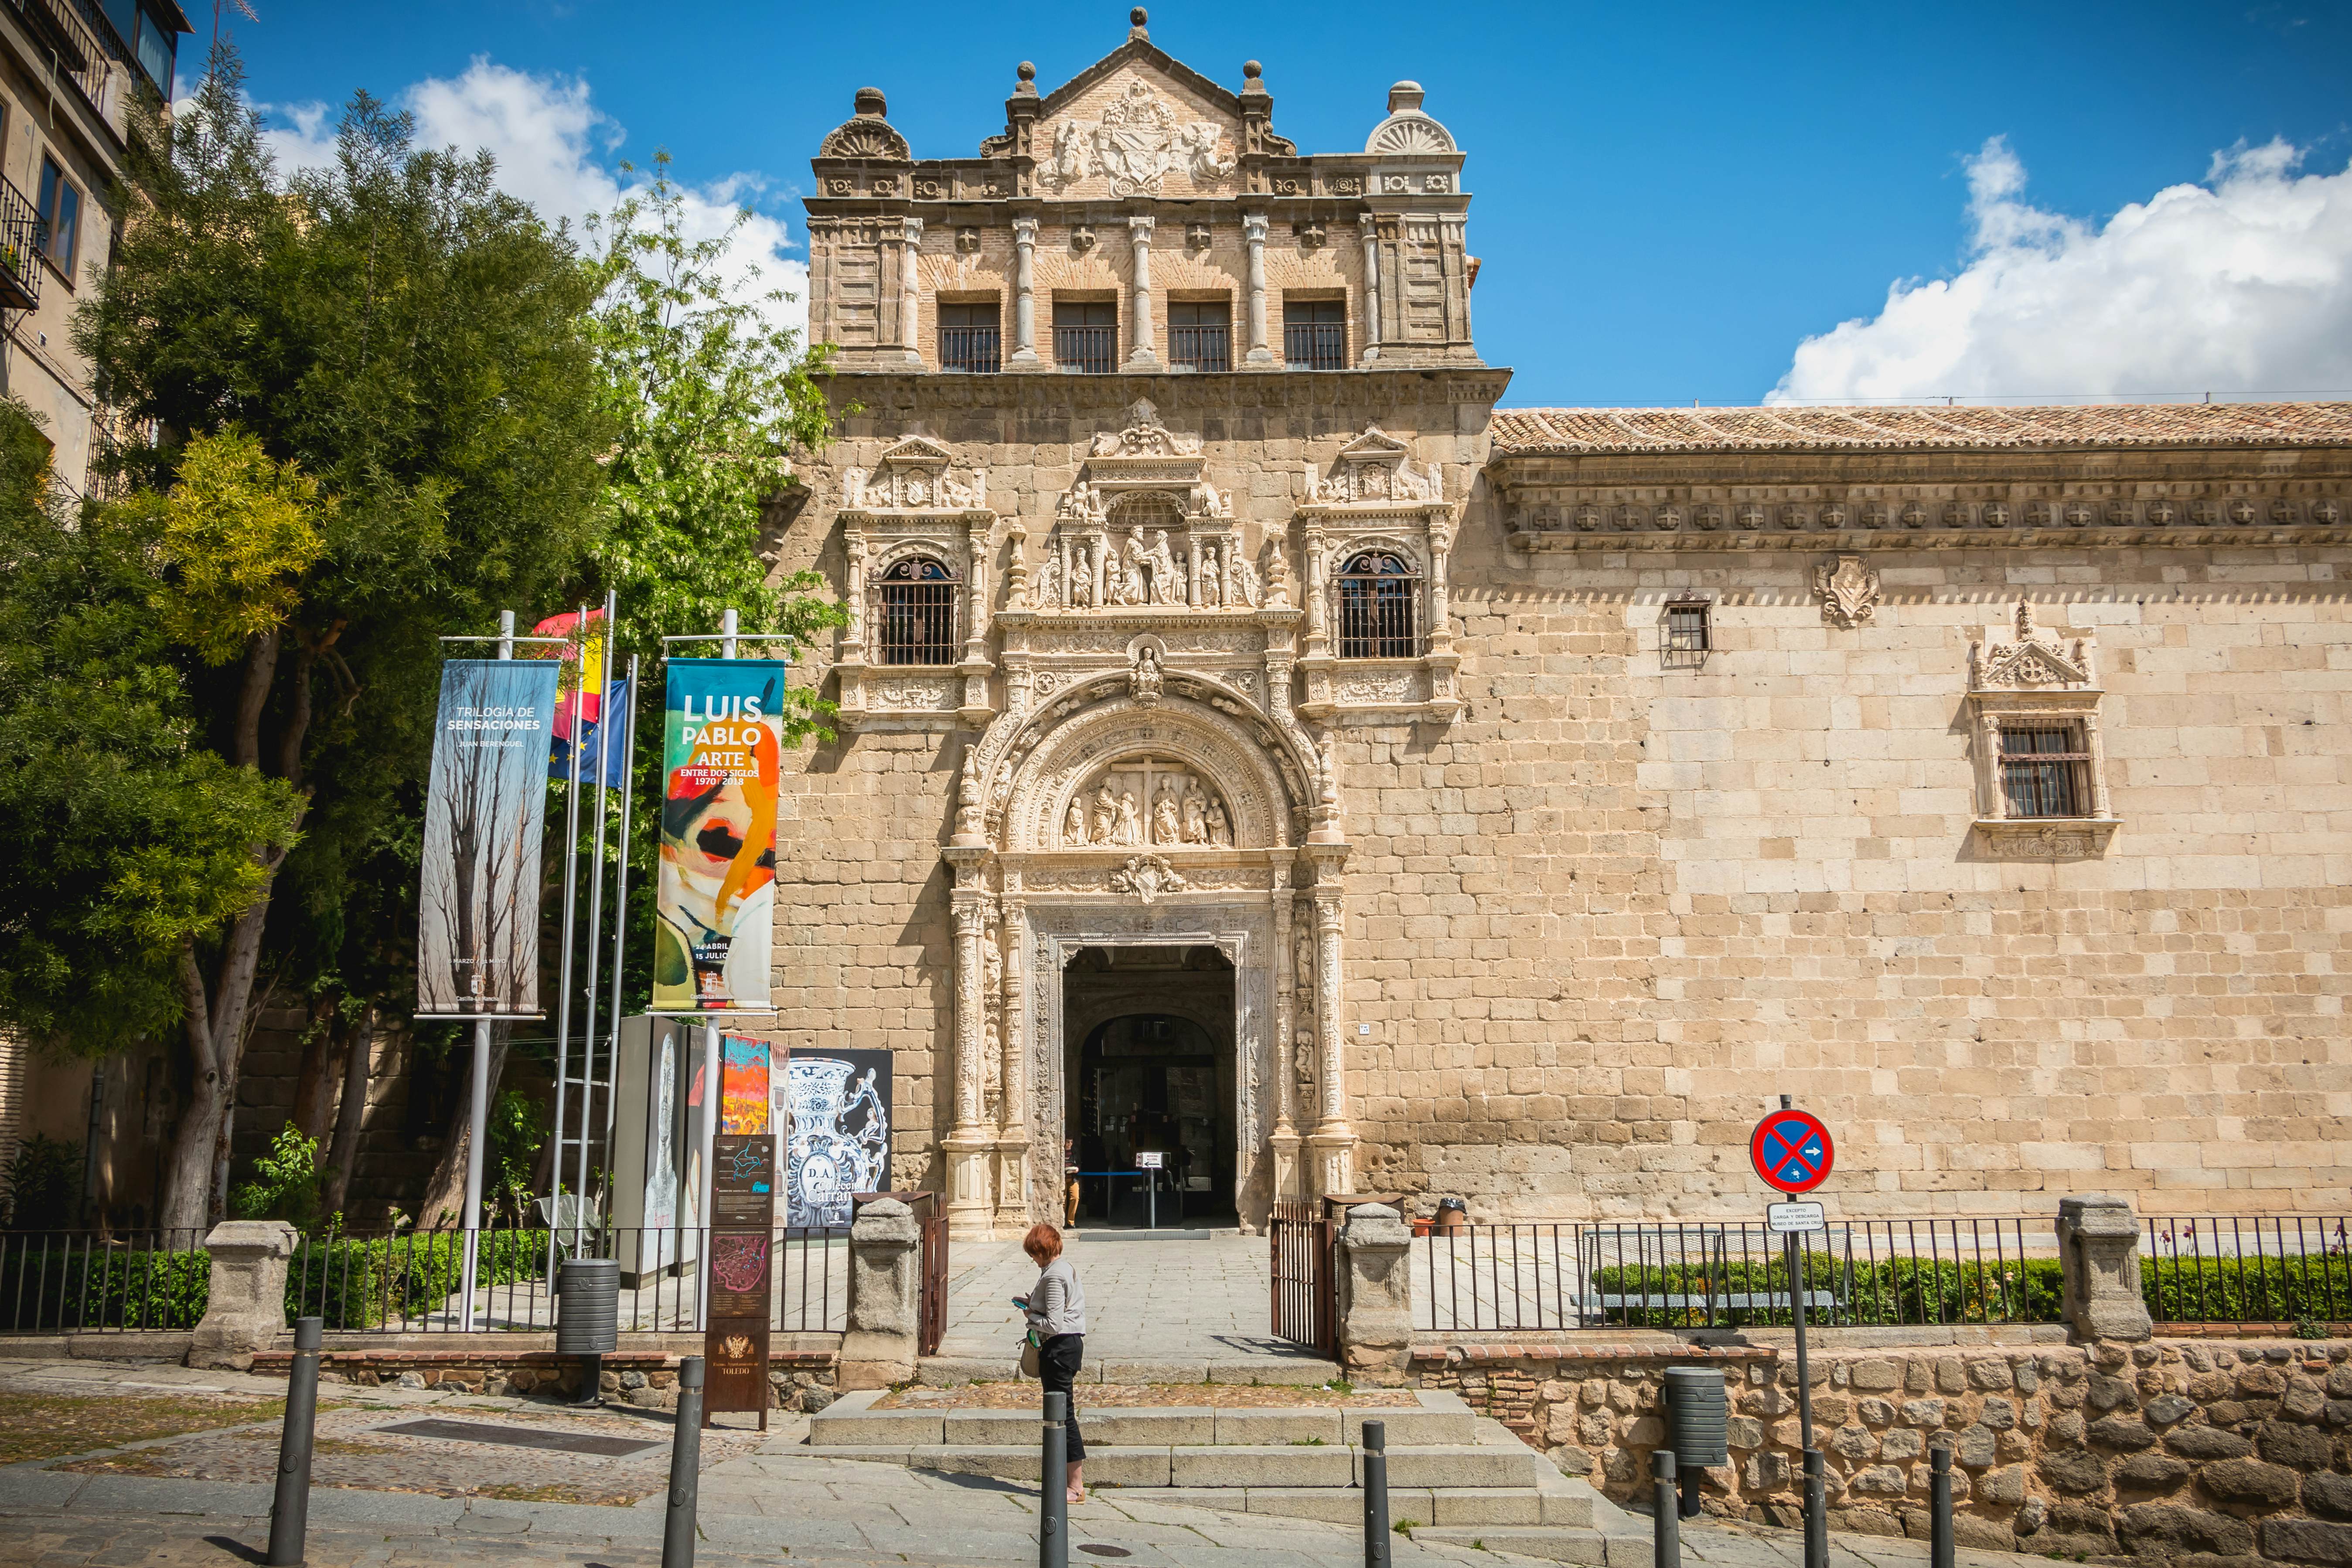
(446, 1194)
(323, 1046)
(351, 1117)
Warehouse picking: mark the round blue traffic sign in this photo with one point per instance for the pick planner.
(1791, 1151)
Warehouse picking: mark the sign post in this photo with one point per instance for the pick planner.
(1794, 1152)
(1150, 1164)
(740, 1259)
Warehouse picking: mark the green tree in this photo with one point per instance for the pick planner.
(123, 841)
(414, 340)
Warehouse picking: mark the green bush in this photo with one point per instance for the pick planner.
(77, 1285)
(1889, 1291)
(372, 1282)
(2309, 1287)
(42, 1186)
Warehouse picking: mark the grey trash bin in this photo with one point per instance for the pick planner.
(588, 1317)
(1697, 1415)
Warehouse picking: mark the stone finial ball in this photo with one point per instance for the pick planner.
(1138, 16)
(1025, 72)
(869, 101)
(1252, 70)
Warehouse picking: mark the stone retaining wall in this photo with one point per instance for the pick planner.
(2171, 1450)
(801, 1379)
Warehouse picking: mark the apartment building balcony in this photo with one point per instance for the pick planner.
(82, 42)
(20, 242)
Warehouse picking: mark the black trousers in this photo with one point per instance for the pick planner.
(1057, 1369)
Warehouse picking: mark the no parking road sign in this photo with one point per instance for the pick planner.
(1791, 1151)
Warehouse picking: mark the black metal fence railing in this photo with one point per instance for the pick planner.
(974, 349)
(2251, 1268)
(62, 1281)
(1301, 1272)
(1200, 348)
(1089, 351)
(1859, 1273)
(1317, 345)
(20, 242)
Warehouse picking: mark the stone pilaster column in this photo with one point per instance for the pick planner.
(1327, 1008)
(2098, 764)
(1996, 798)
(910, 298)
(1253, 234)
(1025, 294)
(1369, 227)
(1143, 355)
(1286, 1099)
(1312, 587)
(853, 591)
(975, 640)
(1013, 1137)
(1441, 615)
(971, 1198)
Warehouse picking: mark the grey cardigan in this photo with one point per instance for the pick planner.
(1056, 1303)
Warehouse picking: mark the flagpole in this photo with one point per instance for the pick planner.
(477, 1121)
(620, 925)
(727, 627)
(596, 872)
(563, 982)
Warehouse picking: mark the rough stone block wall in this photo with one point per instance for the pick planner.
(2165, 1450)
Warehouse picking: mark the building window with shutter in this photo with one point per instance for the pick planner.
(1378, 596)
(918, 611)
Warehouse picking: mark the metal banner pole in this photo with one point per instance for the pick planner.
(620, 942)
(564, 973)
(596, 873)
(726, 627)
(1816, 1523)
(478, 1119)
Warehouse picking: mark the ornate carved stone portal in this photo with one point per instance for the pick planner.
(1146, 781)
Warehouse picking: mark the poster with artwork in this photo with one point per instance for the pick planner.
(743, 1095)
(715, 898)
(478, 904)
(837, 1137)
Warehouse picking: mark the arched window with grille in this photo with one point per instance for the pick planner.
(918, 611)
(1380, 596)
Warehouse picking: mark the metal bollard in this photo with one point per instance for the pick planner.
(290, 1510)
(1053, 1486)
(1939, 1506)
(685, 1467)
(1817, 1512)
(1666, 1530)
(1376, 1494)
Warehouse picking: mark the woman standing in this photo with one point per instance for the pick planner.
(1057, 1309)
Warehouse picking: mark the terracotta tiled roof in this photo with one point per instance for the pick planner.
(1568, 431)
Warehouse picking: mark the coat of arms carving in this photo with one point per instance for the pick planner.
(1138, 141)
(1848, 591)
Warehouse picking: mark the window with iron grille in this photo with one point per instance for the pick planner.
(917, 613)
(969, 338)
(1085, 335)
(1201, 334)
(2045, 770)
(1378, 592)
(1690, 635)
(1315, 334)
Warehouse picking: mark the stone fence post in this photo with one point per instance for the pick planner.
(246, 1310)
(2098, 1250)
(1375, 1293)
(885, 1293)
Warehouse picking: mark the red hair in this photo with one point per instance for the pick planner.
(1043, 1244)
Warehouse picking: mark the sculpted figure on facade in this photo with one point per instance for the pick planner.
(1167, 582)
(1068, 166)
(1221, 828)
(1243, 587)
(1130, 821)
(1082, 579)
(1277, 579)
(1196, 813)
(1165, 816)
(1049, 581)
(1074, 827)
(1106, 813)
(1143, 680)
(1132, 587)
(1212, 580)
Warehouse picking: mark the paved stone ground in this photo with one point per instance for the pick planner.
(1148, 1299)
(763, 1501)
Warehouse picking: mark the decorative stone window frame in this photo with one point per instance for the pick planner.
(1375, 498)
(913, 503)
(2034, 678)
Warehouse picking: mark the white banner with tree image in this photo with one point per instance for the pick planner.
(478, 936)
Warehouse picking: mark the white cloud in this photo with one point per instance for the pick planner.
(558, 152)
(2243, 283)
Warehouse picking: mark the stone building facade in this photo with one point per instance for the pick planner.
(1515, 800)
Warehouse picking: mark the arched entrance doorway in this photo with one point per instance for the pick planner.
(1149, 1067)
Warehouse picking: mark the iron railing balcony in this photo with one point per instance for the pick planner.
(84, 41)
(1089, 351)
(20, 243)
(1315, 345)
(1200, 348)
(973, 349)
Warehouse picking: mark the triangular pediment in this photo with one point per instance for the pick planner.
(915, 449)
(1156, 67)
(1144, 126)
(1374, 446)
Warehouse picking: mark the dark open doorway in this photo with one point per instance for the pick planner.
(1148, 1063)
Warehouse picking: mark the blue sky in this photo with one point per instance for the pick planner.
(1668, 200)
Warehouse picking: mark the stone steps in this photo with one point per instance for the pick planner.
(1459, 1476)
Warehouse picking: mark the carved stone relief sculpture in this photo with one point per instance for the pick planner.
(1848, 589)
(1148, 801)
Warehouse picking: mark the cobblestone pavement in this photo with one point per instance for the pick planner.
(764, 1499)
(1148, 1299)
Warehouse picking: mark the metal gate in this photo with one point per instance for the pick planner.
(935, 1276)
(1306, 1298)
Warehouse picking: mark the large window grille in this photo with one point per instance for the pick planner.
(1315, 334)
(2045, 770)
(1201, 336)
(918, 613)
(1086, 336)
(1378, 592)
(969, 338)
(1689, 635)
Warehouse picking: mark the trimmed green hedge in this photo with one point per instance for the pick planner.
(2307, 1288)
(65, 1287)
(1900, 1290)
(372, 1282)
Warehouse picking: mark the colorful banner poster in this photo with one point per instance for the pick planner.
(837, 1141)
(742, 1087)
(722, 742)
(477, 928)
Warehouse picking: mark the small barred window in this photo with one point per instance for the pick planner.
(2044, 771)
(1378, 596)
(918, 613)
